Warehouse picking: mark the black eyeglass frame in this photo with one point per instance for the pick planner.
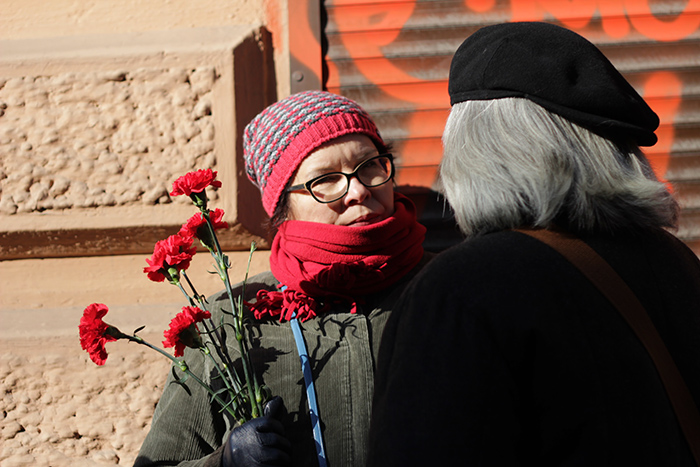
(307, 185)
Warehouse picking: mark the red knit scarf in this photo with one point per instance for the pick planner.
(320, 263)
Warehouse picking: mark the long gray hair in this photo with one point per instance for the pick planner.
(509, 163)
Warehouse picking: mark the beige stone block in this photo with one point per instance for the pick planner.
(96, 128)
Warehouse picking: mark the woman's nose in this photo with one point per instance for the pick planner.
(357, 192)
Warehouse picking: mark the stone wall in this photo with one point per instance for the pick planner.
(102, 105)
(57, 408)
(95, 129)
(31, 19)
(105, 138)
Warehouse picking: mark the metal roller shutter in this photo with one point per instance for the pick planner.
(393, 57)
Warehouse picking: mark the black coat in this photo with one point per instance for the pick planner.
(501, 353)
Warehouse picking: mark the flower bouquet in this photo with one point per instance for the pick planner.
(241, 395)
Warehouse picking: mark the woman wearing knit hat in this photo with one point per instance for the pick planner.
(554, 328)
(345, 247)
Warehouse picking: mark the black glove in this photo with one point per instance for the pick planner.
(259, 442)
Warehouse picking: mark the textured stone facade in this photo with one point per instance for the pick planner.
(94, 129)
(102, 138)
(57, 408)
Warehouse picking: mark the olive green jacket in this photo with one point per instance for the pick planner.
(189, 430)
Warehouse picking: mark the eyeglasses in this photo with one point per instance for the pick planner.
(332, 186)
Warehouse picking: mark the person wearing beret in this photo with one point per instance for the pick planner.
(502, 350)
(345, 247)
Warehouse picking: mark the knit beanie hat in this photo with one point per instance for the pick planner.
(278, 139)
(557, 69)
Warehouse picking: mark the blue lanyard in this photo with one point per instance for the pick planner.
(310, 390)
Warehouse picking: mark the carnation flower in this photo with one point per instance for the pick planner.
(170, 256)
(195, 182)
(183, 330)
(286, 304)
(245, 397)
(95, 333)
(196, 226)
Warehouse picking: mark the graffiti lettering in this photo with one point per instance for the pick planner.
(615, 14)
(423, 100)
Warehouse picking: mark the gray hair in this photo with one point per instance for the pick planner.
(509, 163)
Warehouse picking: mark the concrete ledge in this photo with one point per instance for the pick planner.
(46, 297)
(96, 232)
(193, 45)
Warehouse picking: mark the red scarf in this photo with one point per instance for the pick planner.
(313, 261)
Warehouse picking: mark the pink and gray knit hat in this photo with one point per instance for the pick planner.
(277, 140)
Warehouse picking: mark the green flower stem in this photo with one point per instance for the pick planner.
(221, 347)
(207, 218)
(195, 294)
(218, 252)
(253, 246)
(250, 378)
(222, 267)
(190, 300)
(220, 344)
(230, 378)
(183, 366)
(222, 351)
(234, 392)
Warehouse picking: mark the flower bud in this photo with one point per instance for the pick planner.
(199, 199)
(190, 337)
(205, 237)
(173, 275)
(115, 332)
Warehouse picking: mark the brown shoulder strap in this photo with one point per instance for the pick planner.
(614, 288)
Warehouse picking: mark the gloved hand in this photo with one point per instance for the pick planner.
(259, 442)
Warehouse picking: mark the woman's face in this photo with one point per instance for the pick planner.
(360, 205)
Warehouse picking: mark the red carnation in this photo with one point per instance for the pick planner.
(194, 182)
(196, 226)
(286, 304)
(175, 252)
(183, 329)
(95, 333)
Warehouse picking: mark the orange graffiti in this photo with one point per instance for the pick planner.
(376, 17)
(616, 16)
(422, 152)
(390, 19)
(573, 14)
(661, 92)
(646, 23)
(417, 107)
(615, 24)
(480, 6)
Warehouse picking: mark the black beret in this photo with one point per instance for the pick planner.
(557, 69)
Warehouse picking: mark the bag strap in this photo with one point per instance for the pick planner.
(614, 288)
